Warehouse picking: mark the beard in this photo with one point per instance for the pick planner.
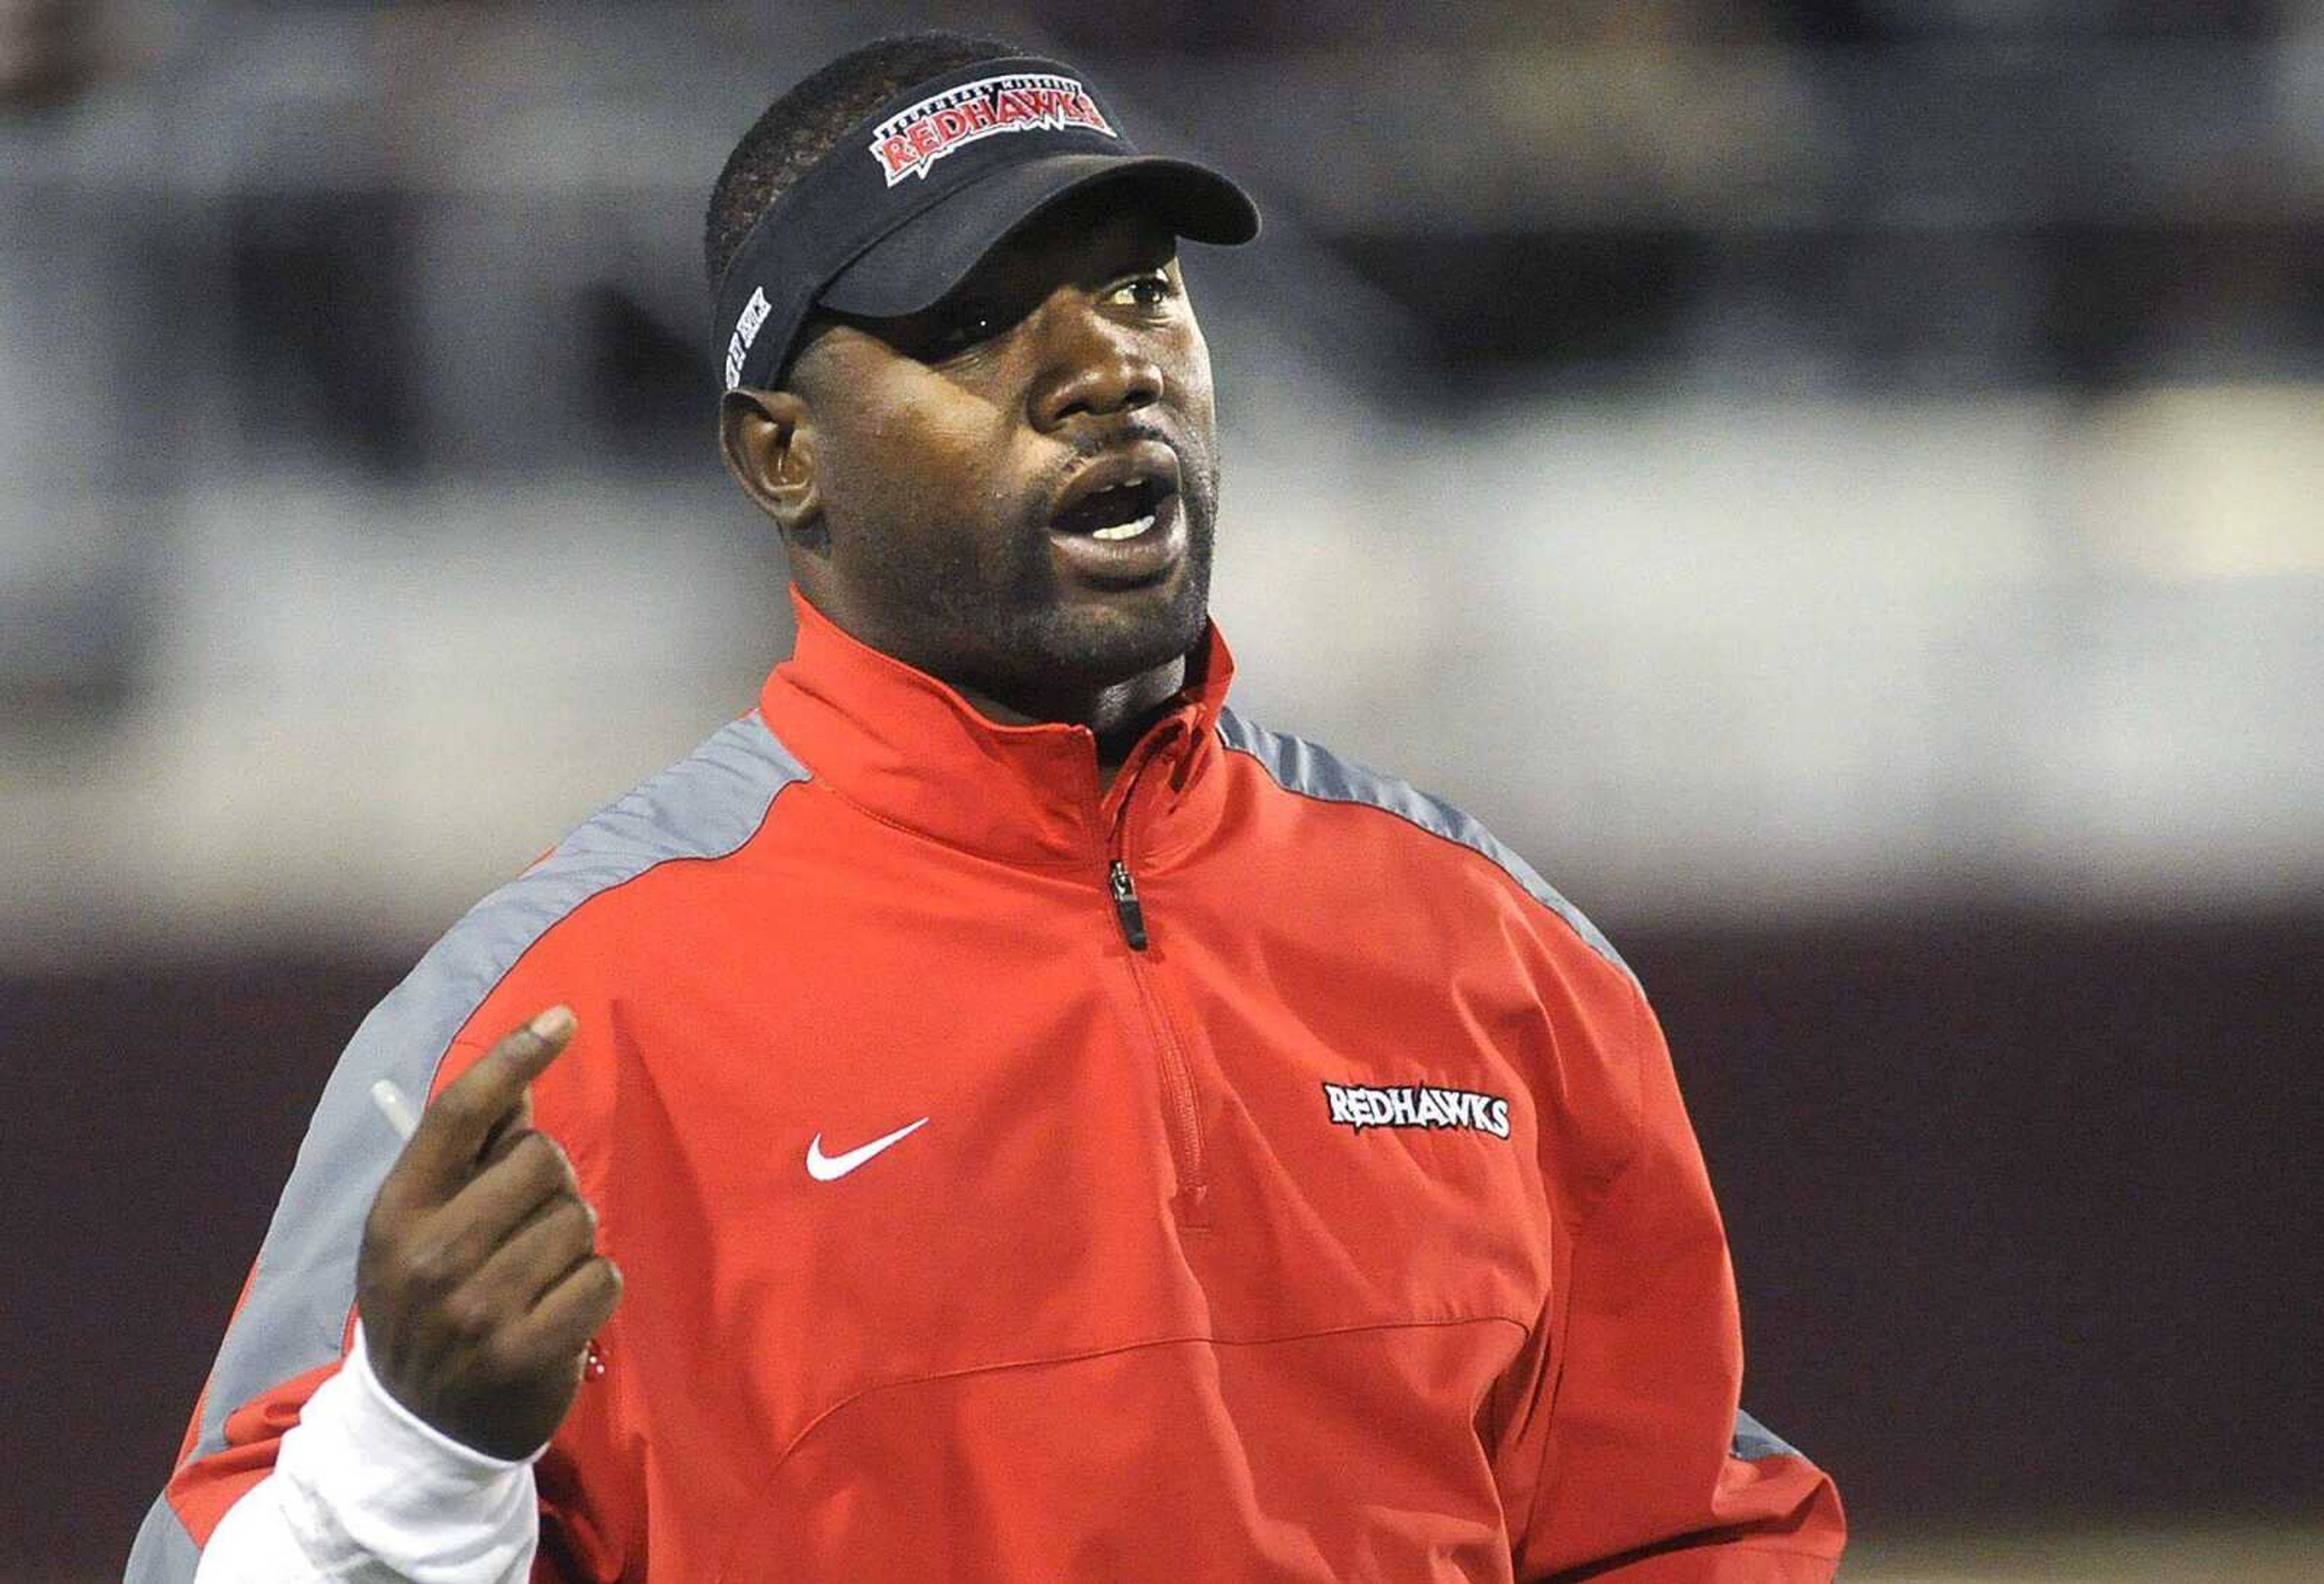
(1001, 620)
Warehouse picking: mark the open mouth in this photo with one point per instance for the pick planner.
(1120, 511)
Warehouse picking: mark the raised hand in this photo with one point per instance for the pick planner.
(479, 1280)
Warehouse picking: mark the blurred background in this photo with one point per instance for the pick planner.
(1838, 484)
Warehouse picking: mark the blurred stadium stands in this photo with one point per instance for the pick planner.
(1839, 483)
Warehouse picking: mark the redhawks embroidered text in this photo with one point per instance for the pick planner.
(1410, 1106)
(911, 141)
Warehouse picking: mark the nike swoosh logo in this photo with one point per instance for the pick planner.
(830, 1168)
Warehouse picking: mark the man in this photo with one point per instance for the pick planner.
(1047, 1127)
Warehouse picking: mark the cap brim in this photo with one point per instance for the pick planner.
(915, 265)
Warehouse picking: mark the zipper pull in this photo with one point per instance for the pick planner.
(1126, 908)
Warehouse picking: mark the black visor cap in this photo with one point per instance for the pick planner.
(899, 211)
(915, 266)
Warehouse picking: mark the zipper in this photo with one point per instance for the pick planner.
(1181, 1122)
(1126, 908)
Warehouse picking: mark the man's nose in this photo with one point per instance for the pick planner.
(1095, 367)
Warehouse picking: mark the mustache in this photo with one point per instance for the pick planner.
(1088, 445)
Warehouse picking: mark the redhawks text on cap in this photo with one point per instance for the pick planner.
(911, 141)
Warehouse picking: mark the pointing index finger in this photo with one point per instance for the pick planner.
(455, 1130)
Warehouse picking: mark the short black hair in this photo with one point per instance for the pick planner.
(801, 127)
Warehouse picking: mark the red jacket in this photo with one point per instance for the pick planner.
(1303, 1194)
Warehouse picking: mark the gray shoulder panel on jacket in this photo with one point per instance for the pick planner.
(1753, 1441)
(163, 1553)
(1299, 765)
(706, 806)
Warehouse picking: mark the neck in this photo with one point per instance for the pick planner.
(1117, 714)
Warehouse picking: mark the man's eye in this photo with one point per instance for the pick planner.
(1147, 291)
(969, 327)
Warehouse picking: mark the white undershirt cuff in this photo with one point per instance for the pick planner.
(379, 1492)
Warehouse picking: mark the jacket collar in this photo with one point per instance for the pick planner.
(910, 751)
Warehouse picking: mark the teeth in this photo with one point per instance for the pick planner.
(1125, 530)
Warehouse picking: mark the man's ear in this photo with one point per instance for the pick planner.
(768, 439)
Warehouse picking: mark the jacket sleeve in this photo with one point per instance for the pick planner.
(287, 1343)
(363, 1492)
(1627, 1434)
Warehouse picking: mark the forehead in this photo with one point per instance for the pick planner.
(1097, 227)
(1090, 234)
